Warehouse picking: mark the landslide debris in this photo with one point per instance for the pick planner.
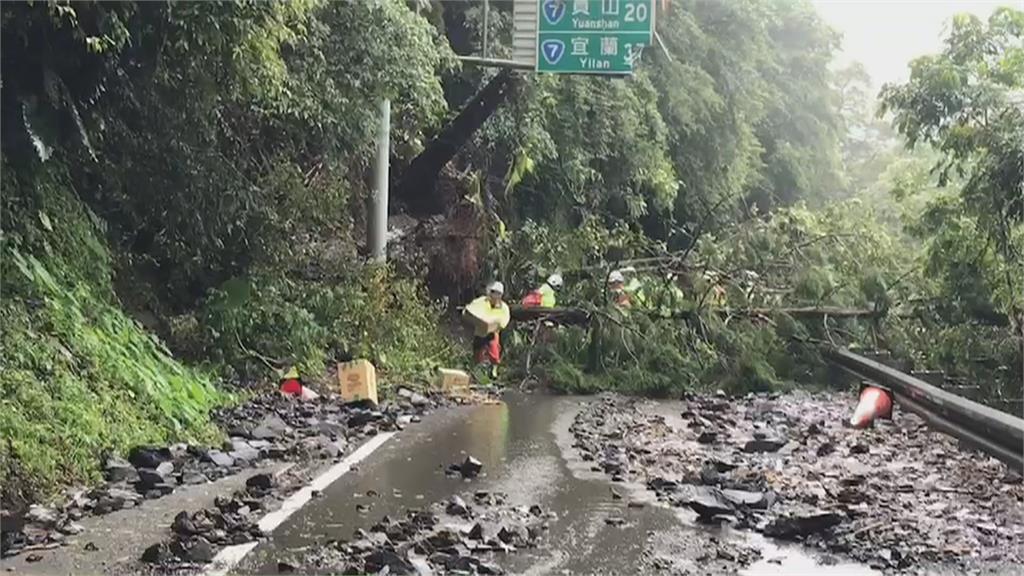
(466, 534)
(268, 427)
(896, 497)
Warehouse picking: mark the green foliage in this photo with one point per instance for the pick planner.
(664, 357)
(965, 103)
(361, 313)
(802, 257)
(679, 338)
(269, 139)
(527, 255)
(81, 378)
(738, 114)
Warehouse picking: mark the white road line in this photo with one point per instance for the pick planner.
(229, 557)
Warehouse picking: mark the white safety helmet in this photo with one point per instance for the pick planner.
(496, 287)
(555, 281)
(616, 277)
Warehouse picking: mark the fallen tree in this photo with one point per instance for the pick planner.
(582, 316)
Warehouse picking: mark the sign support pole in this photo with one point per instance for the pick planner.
(487, 10)
(378, 240)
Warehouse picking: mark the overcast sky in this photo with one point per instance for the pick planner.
(885, 35)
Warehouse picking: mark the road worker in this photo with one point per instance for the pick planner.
(717, 293)
(544, 296)
(489, 315)
(617, 289)
(633, 286)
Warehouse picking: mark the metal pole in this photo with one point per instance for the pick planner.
(496, 63)
(487, 9)
(379, 213)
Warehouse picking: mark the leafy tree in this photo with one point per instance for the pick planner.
(965, 102)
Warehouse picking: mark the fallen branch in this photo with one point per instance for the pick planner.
(581, 316)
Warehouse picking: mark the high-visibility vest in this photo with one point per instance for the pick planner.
(636, 291)
(547, 294)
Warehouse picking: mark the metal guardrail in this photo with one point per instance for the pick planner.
(997, 433)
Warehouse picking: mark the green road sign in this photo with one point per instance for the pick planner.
(593, 36)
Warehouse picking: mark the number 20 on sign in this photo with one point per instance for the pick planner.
(593, 36)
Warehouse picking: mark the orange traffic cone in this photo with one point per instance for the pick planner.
(874, 403)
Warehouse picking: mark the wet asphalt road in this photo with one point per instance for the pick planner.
(525, 446)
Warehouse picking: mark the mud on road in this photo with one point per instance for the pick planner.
(898, 497)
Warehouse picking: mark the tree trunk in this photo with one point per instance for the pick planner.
(416, 188)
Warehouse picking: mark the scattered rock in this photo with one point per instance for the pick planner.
(271, 427)
(197, 549)
(470, 467)
(149, 478)
(488, 568)
(721, 466)
(108, 504)
(707, 437)
(159, 553)
(70, 528)
(219, 458)
(266, 426)
(165, 469)
(194, 478)
(706, 501)
(361, 418)
(148, 456)
(183, 524)
(762, 445)
(261, 481)
(42, 515)
(163, 488)
(799, 526)
(511, 536)
(747, 499)
(457, 507)
(119, 470)
(852, 493)
(380, 559)
(246, 455)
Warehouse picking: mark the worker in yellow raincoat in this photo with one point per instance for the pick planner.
(489, 315)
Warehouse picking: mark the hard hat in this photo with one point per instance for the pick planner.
(555, 281)
(616, 276)
(496, 287)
